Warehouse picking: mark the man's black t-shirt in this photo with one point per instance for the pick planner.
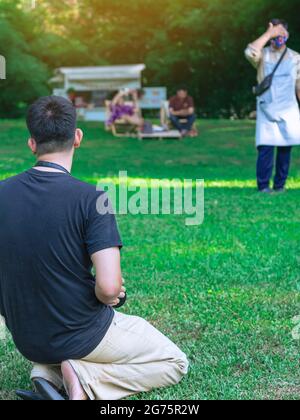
(49, 228)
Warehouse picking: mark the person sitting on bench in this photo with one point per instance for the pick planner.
(61, 316)
(128, 113)
(182, 112)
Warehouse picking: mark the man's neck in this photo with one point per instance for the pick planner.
(280, 49)
(63, 159)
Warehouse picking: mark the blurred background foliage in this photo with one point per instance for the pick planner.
(199, 43)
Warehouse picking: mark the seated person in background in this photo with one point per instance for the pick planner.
(129, 114)
(80, 102)
(72, 95)
(182, 112)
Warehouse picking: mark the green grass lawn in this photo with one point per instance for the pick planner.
(225, 291)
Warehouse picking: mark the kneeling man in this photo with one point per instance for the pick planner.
(61, 317)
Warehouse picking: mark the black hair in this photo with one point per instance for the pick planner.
(51, 121)
(182, 87)
(282, 22)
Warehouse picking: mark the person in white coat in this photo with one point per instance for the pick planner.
(278, 114)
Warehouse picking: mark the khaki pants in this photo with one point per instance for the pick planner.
(133, 357)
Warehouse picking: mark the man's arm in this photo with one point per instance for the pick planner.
(175, 113)
(254, 51)
(172, 109)
(109, 283)
(191, 110)
(183, 112)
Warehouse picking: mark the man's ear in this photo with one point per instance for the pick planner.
(32, 145)
(78, 138)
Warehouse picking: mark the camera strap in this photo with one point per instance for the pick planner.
(52, 165)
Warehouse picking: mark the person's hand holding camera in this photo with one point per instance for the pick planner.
(120, 301)
(275, 31)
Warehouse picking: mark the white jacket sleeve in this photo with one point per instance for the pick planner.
(253, 55)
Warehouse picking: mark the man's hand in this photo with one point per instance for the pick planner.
(174, 113)
(121, 295)
(275, 31)
(182, 113)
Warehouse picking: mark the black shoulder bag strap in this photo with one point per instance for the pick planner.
(267, 82)
(279, 62)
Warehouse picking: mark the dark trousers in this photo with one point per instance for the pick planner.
(265, 165)
(177, 122)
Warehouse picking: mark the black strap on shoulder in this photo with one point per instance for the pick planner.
(280, 61)
(44, 164)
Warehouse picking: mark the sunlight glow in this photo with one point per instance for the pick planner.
(293, 183)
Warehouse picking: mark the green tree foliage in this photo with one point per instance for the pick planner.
(26, 74)
(196, 42)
